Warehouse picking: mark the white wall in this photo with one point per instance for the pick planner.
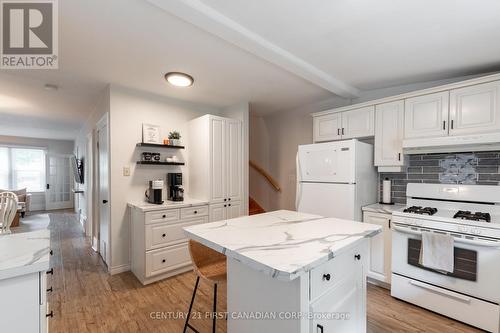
(128, 110)
(51, 146)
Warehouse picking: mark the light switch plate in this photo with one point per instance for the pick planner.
(126, 171)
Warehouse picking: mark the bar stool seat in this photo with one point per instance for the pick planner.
(211, 266)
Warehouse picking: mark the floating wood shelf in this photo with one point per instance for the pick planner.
(153, 145)
(159, 163)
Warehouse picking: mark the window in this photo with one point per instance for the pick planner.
(22, 168)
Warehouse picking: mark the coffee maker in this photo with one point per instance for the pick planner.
(154, 193)
(175, 190)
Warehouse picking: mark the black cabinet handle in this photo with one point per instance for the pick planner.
(357, 256)
(51, 252)
(164, 235)
(389, 224)
(51, 314)
(48, 186)
(338, 131)
(105, 201)
(444, 124)
(229, 199)
(225, 199)
(319, 329)
(342, 131)
(399, 157)
(51, 272)
(229, 205)
(326, 277)
(452, 124)
(196, 212)
(164, 216)
(164, 261)
(225, 205)
(49, 290)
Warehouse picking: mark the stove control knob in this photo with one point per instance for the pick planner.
(476, 231)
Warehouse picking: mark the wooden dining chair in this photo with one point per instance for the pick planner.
(210, 266)
(8, 210)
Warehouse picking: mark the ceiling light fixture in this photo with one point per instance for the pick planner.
(179, 79)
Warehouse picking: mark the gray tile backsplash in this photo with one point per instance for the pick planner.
(481, 168)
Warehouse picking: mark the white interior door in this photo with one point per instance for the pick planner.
(327, 162)
(104, 211)
(58, 194)
(330, 200)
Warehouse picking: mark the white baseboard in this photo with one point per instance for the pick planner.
(119, 269)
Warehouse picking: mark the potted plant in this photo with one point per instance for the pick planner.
(174, 138)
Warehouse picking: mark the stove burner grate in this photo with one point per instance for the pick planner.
(420, 210)
(477, 216)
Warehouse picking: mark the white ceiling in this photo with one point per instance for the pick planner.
(277, 55)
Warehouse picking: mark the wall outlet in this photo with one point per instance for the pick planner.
(126, 171)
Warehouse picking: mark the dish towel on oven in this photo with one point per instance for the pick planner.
(437, 252)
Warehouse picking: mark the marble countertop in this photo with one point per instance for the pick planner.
(148, 207)
(283, 244)
(24, 253)
(381, 208)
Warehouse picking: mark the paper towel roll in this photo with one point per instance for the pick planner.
(386, 191)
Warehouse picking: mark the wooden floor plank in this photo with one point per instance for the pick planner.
(86, 299)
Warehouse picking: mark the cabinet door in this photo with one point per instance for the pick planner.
(380, 247)
(234, 209)
(475, 109)
(218, 212)
(358, 123)
(427, 116)
(345, 299)
(389, 131)
(218, 163)
(327, 127)
(234, 158)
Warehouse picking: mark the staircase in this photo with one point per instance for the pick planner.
(254, 207)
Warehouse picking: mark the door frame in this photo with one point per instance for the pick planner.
(72, 186)
(89, 186)
(103, 122)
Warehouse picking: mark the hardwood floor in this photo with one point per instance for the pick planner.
(87, 299)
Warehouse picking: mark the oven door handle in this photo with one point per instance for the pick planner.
(441, 291)
(458, 240)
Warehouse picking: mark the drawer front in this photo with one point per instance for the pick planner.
(328, 275)
(190, 212)
(164, 260)
(162, 216)
(164, 234)
(467, 309)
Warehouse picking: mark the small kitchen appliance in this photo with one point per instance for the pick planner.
(154, 193)
(471, 215)
(175, 189)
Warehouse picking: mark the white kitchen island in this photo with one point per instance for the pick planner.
(292, 272)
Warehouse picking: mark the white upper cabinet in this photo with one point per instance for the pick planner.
(475, 109)
(327, 127)
(389, 118)
(218, 163)
(427, 116)
(234, 157)
(358, 123)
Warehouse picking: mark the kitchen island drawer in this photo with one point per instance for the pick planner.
(328, 275)
(162, 216)
(163, 234)
(167, 259)
(190, 212)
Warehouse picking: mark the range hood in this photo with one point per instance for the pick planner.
(453, 144)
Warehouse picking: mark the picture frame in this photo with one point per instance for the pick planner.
(151, 134)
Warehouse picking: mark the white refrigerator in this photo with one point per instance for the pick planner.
(336, 179)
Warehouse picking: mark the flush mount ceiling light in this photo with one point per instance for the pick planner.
(179, 79)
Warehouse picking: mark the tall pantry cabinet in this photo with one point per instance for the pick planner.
(216, 165)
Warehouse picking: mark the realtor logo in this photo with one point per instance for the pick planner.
(29, 34)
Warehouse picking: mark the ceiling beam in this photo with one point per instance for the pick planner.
(212, 21)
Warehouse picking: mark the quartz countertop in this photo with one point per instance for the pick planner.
(283, 244)
(383, 209)
(148, 207)
(24, 253)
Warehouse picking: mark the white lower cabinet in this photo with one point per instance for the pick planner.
(23, 303)
(159, 245)
(225, 211)
(379, 267)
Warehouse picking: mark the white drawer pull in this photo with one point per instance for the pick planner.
(441, 291)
